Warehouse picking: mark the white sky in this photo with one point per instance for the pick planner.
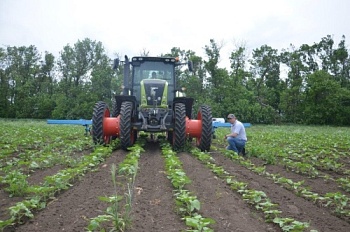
(128, 27)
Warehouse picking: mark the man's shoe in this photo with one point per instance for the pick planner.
(242, 152)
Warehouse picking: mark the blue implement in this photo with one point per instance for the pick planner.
(222, 124)
(83, 122)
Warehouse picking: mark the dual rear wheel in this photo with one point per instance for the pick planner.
(101, 111)
(178, 136)
(126, 133)
(205, 116)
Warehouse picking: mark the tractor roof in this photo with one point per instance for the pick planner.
(155, 59)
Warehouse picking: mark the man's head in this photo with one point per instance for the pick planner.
(154, 75)
(231, 118)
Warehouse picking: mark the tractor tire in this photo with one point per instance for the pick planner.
(100, 112)
(127, 135)
(179, 134)
(115, 109)
(205, 115)
(170, 137)
(115, 113)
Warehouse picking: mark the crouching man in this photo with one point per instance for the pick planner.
(237, 138)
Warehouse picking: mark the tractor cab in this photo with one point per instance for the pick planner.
(153, 80)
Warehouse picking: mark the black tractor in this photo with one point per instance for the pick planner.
(151, 102)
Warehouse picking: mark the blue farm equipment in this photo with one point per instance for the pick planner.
(82, 122)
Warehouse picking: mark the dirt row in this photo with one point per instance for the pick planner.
(154, 206)
(72, 209)
(321, 219)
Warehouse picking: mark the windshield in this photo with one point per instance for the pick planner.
(153, 70)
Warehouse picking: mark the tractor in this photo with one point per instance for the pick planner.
(152, 102)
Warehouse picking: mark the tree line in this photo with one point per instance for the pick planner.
(306, 85)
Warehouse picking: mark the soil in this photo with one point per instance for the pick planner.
(154, 208)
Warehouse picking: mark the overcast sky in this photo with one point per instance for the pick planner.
(128, 27)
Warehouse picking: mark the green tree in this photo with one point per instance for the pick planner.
(45, 84)
(4, 86)
(216, 82)
(86, 77)
(293, 94)
(322, 102)
(22, 71)
(341, 64)
(242, 102)
(194, 82)
(265, 69)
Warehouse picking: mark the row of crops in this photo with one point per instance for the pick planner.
(313, 152)
(188, 205)
(28, 147)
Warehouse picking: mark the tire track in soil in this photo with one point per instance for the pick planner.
(154, 205)
(221, 203)
(71, 210)
(290, 204)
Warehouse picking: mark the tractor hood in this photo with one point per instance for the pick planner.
(154, 92)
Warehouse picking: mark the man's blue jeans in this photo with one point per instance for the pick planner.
(235, 144)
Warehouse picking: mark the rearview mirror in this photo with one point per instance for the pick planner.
(116, 63)
(190, 66)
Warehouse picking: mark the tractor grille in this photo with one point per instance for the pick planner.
(154, 90)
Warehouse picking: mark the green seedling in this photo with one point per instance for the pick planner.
(187, 204)
(17, 183)
(289, 224)
(199, 224)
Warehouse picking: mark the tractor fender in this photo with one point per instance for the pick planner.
(188, 101)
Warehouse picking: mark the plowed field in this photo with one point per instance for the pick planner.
(153, 201)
